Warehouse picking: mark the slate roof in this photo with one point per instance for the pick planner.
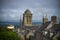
(55, 28)
(44, 25)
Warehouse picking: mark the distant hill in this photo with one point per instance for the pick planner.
(16, 23)
(37, 23)
(7, 23)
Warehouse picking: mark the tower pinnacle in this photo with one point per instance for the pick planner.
(45, 19)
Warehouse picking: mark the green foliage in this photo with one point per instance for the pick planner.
(6, 34)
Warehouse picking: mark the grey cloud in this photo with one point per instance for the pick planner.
(15, 8)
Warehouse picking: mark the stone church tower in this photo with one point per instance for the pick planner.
(27, 18)
(54, 19)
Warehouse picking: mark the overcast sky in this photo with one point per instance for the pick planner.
(12, 10)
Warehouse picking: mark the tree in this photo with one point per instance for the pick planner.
(6, 34)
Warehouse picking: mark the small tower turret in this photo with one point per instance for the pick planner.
(45, 19)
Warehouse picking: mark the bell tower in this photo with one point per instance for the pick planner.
(27, 18)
